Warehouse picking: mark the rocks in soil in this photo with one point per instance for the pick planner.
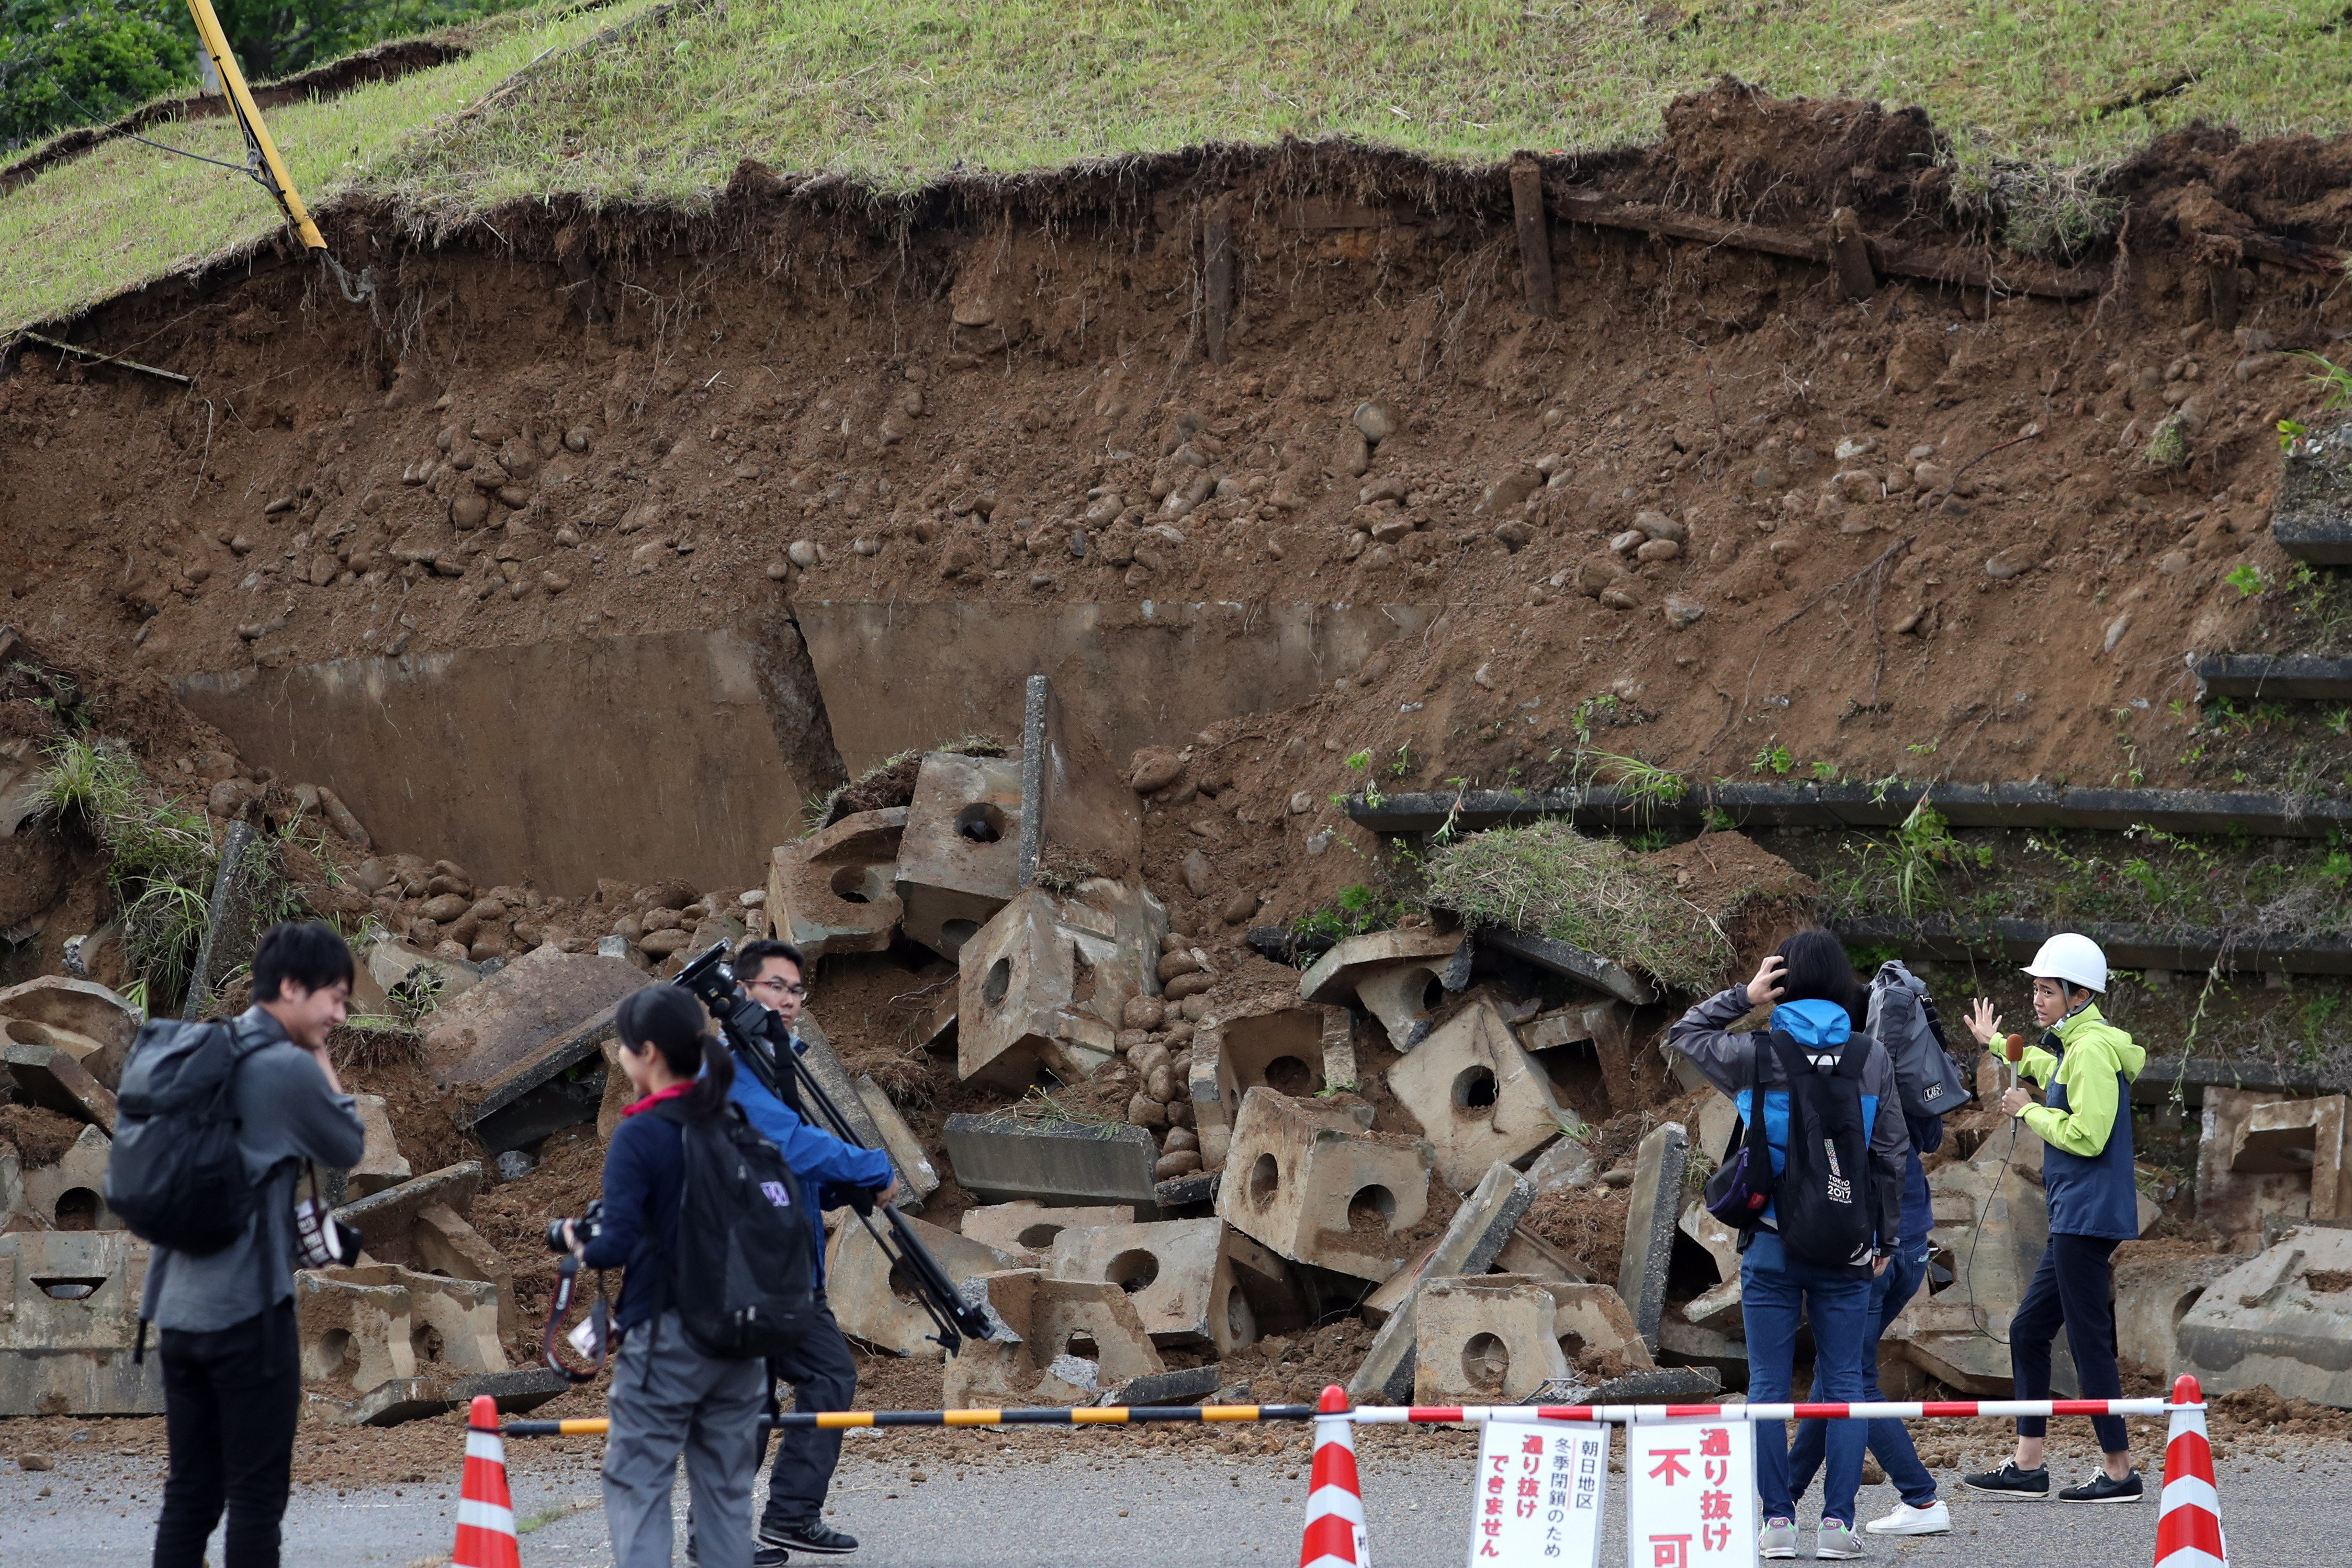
(1152, 770)
(1197, 875)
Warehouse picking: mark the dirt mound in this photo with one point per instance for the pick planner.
(41, 1136)
(1733, 151)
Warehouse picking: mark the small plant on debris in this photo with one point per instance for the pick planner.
(159, 855)
(1645, 785)
(1592, 893)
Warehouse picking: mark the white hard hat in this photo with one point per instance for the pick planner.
(2072, 958)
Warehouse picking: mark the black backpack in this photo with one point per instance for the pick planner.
(741, 1276)
(175, 1174)
(1822, 1200)
(1903, 1018)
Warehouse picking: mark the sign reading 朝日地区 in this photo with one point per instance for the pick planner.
(1540, 1492)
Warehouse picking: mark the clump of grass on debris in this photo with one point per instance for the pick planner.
(160, 855)
(1594, 893)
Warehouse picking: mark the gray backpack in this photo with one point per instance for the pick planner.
(1903, 1018)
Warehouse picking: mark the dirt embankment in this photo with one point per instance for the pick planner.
(1918, 534)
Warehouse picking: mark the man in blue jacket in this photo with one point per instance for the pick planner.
(822, 1374)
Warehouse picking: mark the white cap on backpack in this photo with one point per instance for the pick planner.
(2072, 958)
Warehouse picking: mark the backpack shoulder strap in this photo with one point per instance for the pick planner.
(1855, 1057)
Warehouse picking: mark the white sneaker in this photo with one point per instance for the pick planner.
(1933, 1519)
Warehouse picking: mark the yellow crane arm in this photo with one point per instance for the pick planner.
(248, 118)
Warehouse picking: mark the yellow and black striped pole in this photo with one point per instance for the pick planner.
(845, 1420)
(273, 172)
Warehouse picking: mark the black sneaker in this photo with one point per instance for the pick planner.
(2104, 1488)
(2010, 1481)
(770, 1557)
(811, 1535)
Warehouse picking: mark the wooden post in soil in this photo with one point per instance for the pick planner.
(1535, 234)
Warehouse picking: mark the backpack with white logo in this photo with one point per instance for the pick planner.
(1903, 1018)
(1822, 1201)
(743, 1276)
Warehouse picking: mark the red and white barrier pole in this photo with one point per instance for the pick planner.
(1335, 1499)
(2189, 1529)
(1477, 1415)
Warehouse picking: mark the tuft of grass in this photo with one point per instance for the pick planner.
(160, 855)
(1592, 893)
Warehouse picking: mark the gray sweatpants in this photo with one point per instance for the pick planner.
(669, 1397)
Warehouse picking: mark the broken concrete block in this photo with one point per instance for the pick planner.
(916, 1176)
(1026, 1230)
(1478, 1094)
(1595, 969)
(2152, 1296)
(869, 1305)
(421, 1224)
(410, 976)
(1473, 1237)
(68, 1314)
(1652, 1209)
(1053, 1342)
(1287, 1050)
(2282, 1318)
(382, 1165)
(1717, 1308)
(836, 891)
(512, 1392)
(1006, 1156)
(1595, 1329)
(1193, 1280)
(823, 1064)
(71, 1194)
(1185, 1385)
(395, 1345)
(959, 854)
(1076, 806)
(1993, 1222)
(49, 1076)
(2262, 1158)
(479, 1038)
(1305, 1180)
(1525, 1253)
(1721, 1242)
(1398, 976)
(1044, 982)
(1483, 1338)
(81, 1008)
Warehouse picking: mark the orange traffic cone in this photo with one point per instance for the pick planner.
(2188, 1527)
(486, 1531)
(1335, 1500)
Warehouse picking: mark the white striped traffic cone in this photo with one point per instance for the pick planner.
(486, 1530)
(2188, 1527)
(1335, 1499)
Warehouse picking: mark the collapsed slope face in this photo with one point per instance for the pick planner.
(1949, 530)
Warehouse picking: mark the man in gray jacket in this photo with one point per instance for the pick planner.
(232, 1369)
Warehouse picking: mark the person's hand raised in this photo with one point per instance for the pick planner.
(1983, 1022)
(1764, 989)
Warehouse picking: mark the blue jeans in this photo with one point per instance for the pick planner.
(1776, 1293)
(1890, 1440)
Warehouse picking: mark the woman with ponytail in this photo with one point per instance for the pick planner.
(667, 1396)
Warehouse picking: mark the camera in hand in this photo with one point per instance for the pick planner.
(586, 1228)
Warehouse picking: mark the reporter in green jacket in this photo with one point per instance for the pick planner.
(2085, 1066)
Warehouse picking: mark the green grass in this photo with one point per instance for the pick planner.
(2036, 97)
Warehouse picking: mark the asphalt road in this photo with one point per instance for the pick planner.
(1070, 1498)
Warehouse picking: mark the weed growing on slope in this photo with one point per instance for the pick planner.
(160, 855)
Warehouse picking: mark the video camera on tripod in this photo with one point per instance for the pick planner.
(749, 1032)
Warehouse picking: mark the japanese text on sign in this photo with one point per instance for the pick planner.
(1540, 1492)
(1690, 1494)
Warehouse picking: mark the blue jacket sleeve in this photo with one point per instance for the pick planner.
(628, 1189)
(813, 1155)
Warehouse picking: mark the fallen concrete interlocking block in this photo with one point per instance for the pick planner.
(1291, 1050)
(51, 1077)
(1026, 1230)
(1483, 1338)
(1720, 1241)
(959, 854)
(1525, 1253)
(71, 1194)
(1653, 1207)
(885, 1312)
(69, 1315)
(2264, 1157)
(81, 1009)
(1398, 976)
(482, 1036)
(2152, 1296)
(1052, 1342)
(1595, 1329)
(1473, 1237)
(1311, 1183)
(393, 1344)
(1004, 1156)
(1193, 1281)
(2282, 1318)
(1478, 1095)
(421, 1224)
(836, 891)
(382, 1165)
(917, 1179)
(1993, 1222)
(1044, 982)
(1595, 969)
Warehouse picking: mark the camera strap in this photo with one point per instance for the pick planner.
(567, 1278)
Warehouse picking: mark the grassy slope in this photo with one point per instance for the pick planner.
(899, 94)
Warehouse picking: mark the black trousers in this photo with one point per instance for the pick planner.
(2073, 1287)
(823, 1378)
(230, 1400)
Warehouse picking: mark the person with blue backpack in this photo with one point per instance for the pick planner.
(1816, 1190)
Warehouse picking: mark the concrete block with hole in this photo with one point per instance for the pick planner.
(1595, 1329)
(1474, 1239)
(1478, 1095)
(422, 1224)
(87, 1017)
(1285, 1048)
(2261, 1157)
(1305, 1180)
(878, 1304)
(1193, 1281)
(1485, 1339)
(2282, 1318)
(960, 855)
(836, 891)
(1398, 976)
(1006, 1156)
(71, 1301)
(1026, 1230)
(71, 1194)
(382, 1345)
(1052, 1342)
(1043, 984)
(382, 1165)
(52, 1076)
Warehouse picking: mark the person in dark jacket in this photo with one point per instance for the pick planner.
(667, 1396)
(231, 1360)
(1810, 988)
(2086, 1065)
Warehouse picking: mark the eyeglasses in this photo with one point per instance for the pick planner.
(782, 987)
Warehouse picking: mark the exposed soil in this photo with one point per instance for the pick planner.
(41, 1136)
